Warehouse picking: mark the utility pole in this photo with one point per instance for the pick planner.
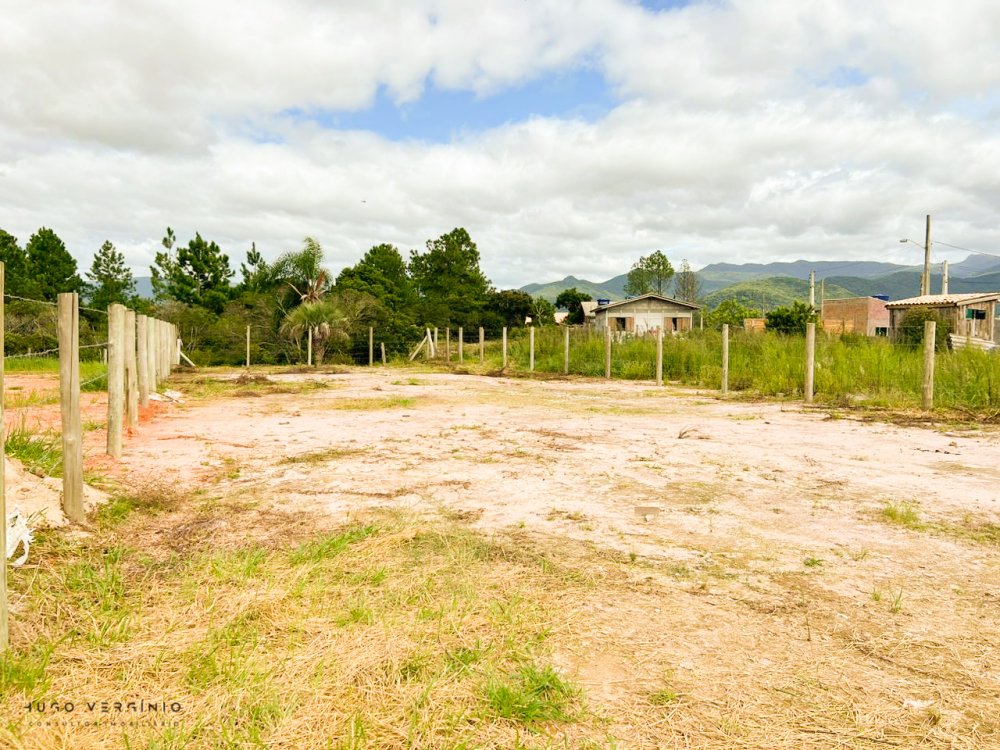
(812, 289)
(944, 277)
(925, 282)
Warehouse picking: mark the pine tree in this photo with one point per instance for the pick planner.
(196, 274)
(110, 280)
(17, 277)
(51, 268)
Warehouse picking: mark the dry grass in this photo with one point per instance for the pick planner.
(388, 629)
(372, 403)
(393, 631)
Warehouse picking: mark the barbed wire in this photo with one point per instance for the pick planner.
(53, 304)
(28, 299)
(44, 352)
(94, 380)
(31, 354)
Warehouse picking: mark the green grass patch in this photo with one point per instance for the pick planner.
(903, 514)
(40, 452)
(26, 671)
(531, 695)
(331, 545)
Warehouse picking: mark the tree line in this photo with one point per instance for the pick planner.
(283, 302)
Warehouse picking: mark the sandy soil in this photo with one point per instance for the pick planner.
(762, 554)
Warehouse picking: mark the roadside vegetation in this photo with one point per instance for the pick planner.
(850, 370)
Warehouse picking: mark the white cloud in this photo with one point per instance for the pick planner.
(733, 140)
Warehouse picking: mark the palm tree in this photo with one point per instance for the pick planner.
(332, 319)
(303, 272)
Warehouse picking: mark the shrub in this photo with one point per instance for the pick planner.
(911, 328)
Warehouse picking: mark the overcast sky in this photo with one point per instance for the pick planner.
(567, 136)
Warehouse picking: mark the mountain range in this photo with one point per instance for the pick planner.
(781, 283)
(775, 281)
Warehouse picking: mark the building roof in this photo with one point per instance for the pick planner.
(945, 300)
(651, 295)
(588, 306)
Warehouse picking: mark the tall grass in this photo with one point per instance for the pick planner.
(870, 371)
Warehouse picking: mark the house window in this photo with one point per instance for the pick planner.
(881, 331)
(974, 314)
(620, 324)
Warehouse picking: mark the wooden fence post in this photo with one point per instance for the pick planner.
(151, 353)
(69, 398)
(248, 347)
(461, 345)
(309, 349)
(371, 346)
(725, 358)
(531, 349)
(131, 374)
(482, 345)
(607, 350)
(175, 342)
(116, 378)
(447, 344)
(435, 341)
(505, 347)
(810, 360)
(142, 359)
(161, 361)
(4, 625)
(659, 356)
(930, 341)
(566, 351)
(382, 347)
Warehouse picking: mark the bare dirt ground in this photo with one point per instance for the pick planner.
(737, 574)
(770, 588)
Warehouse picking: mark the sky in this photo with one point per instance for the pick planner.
(567, 136)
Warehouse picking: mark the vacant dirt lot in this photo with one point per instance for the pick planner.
(733, 574)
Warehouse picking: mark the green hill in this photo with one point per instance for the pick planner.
(610, 289)
(905, 284)
(776, 291)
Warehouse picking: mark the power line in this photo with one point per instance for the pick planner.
(966, 249)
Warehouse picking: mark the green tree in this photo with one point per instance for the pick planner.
(508, 308)
(17, 277)
(449, 282)
(731, 312)
(257, 275)
(197, 274)
(382, 273)
(543, 312)
(571, 299)
(911, 328)
(791, 319)
(302, 273)
(651, 273)
(50, 265)
(109, 279)
(687, 285)
(334, 319)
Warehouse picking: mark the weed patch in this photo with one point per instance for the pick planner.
(533, 694)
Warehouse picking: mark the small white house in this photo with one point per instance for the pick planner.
(647, 314)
